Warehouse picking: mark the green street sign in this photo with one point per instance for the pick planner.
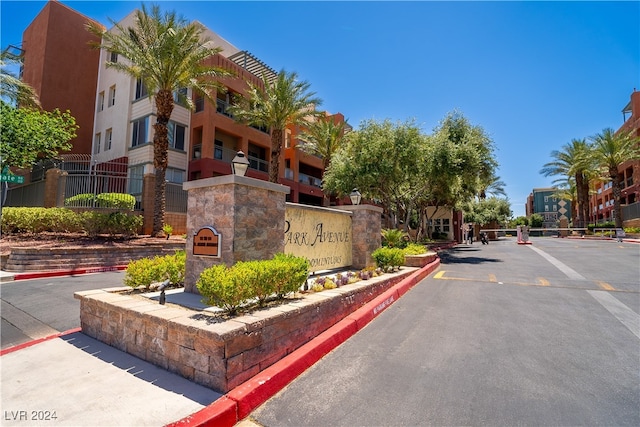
(15, 179)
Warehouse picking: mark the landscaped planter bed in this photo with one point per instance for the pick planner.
(217, 352)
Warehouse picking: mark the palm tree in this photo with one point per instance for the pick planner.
(14, 90)
(284, 102)
(322, 138)
(168, 54)
(494, 186)
(609, 150)
(573, 162)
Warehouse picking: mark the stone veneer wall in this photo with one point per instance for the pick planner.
(365, 232)
(247, 213)
(219, 354)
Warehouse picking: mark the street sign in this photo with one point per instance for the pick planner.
(15, 179)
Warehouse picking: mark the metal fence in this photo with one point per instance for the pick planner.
(631, 211)
(91, 186)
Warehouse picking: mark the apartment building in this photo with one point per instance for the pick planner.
(60, 66)
(601, 200)
(116, 116)
(543, 201)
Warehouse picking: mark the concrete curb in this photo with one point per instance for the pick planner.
(242, 400)
(38, 341)
(58, 273)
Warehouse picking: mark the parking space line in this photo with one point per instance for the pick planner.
(571, 273)
(624, 314)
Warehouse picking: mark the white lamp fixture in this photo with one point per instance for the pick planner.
(239, 164)
(355, 197)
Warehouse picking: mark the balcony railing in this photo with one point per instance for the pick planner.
(254, 162)
(309, 180)
(222, 107)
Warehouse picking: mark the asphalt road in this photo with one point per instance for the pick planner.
(501, 334)
(38, 308)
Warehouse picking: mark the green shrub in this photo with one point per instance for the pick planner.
(231, 288)
(414, 249)
(632, 230)
(38, 220)
(224, 287)
(63, 220)
(388, 258)
(393, 238)
(145, 271)
(102, 200)
(608, 224)
(80, 200)
(112, 223)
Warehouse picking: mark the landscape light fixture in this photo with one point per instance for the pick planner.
(240, 164)
(355, 197)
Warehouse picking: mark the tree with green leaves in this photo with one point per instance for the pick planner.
(29, 134)
(322, 138)
(573, 162)
(168, 54)
(489, 210)
(381, 159)
(609, 150)
(284, 102)
(14, 91)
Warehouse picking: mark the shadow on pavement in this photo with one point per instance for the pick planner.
(450, 256)
(142, 370)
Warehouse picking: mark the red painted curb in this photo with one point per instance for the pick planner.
(58, 273)
(260, 388)
(246, 397)
(221, 413)
(38, 341)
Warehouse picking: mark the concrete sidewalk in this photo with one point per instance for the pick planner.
(74, 380)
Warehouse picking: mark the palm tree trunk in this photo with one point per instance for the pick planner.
(276, 148)
(617, 193)
(164, 107)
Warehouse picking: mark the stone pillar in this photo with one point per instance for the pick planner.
(564, 224)
(247, 213)
(54, 188)
(366, 234)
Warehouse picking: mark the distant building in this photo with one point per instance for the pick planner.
(544, 202)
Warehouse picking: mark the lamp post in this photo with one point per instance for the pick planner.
(355, 197)
(239, 164)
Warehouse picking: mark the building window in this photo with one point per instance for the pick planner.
(199, 102)
(217, 150)
(546, 199)
(112, 96)
(174, 175)
(101, 101)
(141, 90)
(546, 208)
(96, 143)
(555, 208)
(113, 57)
(139, 134)
(107, 139)
(136, 175)
(445, 225)
(180, 95)
(176, 134)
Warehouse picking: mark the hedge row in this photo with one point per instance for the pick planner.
(231, 288)
(102, 200)
(63, 220)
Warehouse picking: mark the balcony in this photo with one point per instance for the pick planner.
(222, 107)
(309, 180)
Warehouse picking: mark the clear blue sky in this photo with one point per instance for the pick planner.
(534, 75)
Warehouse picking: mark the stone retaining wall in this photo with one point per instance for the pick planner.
(22, 260)
(220, 354)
